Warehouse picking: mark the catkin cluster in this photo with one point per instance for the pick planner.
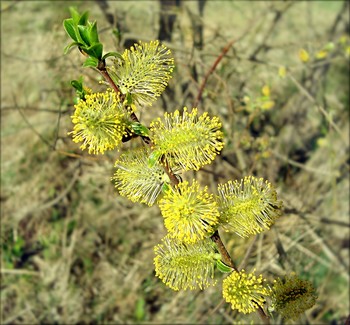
(149, 173)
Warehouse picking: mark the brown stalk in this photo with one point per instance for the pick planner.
(263, 316)
(210, 71)
(226, 258)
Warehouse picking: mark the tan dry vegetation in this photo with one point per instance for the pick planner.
(73, 250)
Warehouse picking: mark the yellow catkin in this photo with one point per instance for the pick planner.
(184, 266)
(245, 292)
(186, 139)
(136, 179)
(248, 206)
(144, 71)
(99, 122)
(190, 213)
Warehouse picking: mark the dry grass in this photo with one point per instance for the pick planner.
(74, 251)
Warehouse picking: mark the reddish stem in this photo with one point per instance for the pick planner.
(226, 258)
(211, 70)
(105, 74)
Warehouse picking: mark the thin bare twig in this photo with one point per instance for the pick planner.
(302, 166)
(33, 129)
(244, 261)
(19, 272)
(320, 108)
(57, 126)
(210, 71)
(269, 32)
(44, 206)
(308, 216)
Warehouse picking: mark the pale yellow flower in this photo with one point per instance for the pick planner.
(265, 90)
(186, 139)
(304, 56)
(282, 72)
(143, 72)
(190, 213)
(185, 266)
(248, 207)
(100, 122)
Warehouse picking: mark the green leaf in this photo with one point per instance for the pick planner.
(115, 54)
(139, 129)
(140, 309)
(91, 62)
(77, 84)
(18, 247)
(116, 32)
(80, 91)
(128, 99)
(153, 158)
(84, 34)
(74, 14)
(68, 25)
(83, 18)
(94, 50)
(222, 267)
(93, 33)
(165, 187)
(68, 47)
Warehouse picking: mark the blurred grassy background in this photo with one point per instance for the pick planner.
(73, 250)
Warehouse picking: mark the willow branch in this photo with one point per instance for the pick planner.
(226, 258)
(262, 315)
(102, 69)
(105, 74)
(210, 71)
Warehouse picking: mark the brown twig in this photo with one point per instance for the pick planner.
(210, 71)
(226, 258)
(277, 17)
(262, 315)
(319, 107)
(33, 128)
(102, 69)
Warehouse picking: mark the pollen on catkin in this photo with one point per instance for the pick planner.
(143, 72)
(186, 139)
(292, 296)
(245, 292)
(100, 122)
(248, 207)
(136, 179)
(190, 213)
(185, 266)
